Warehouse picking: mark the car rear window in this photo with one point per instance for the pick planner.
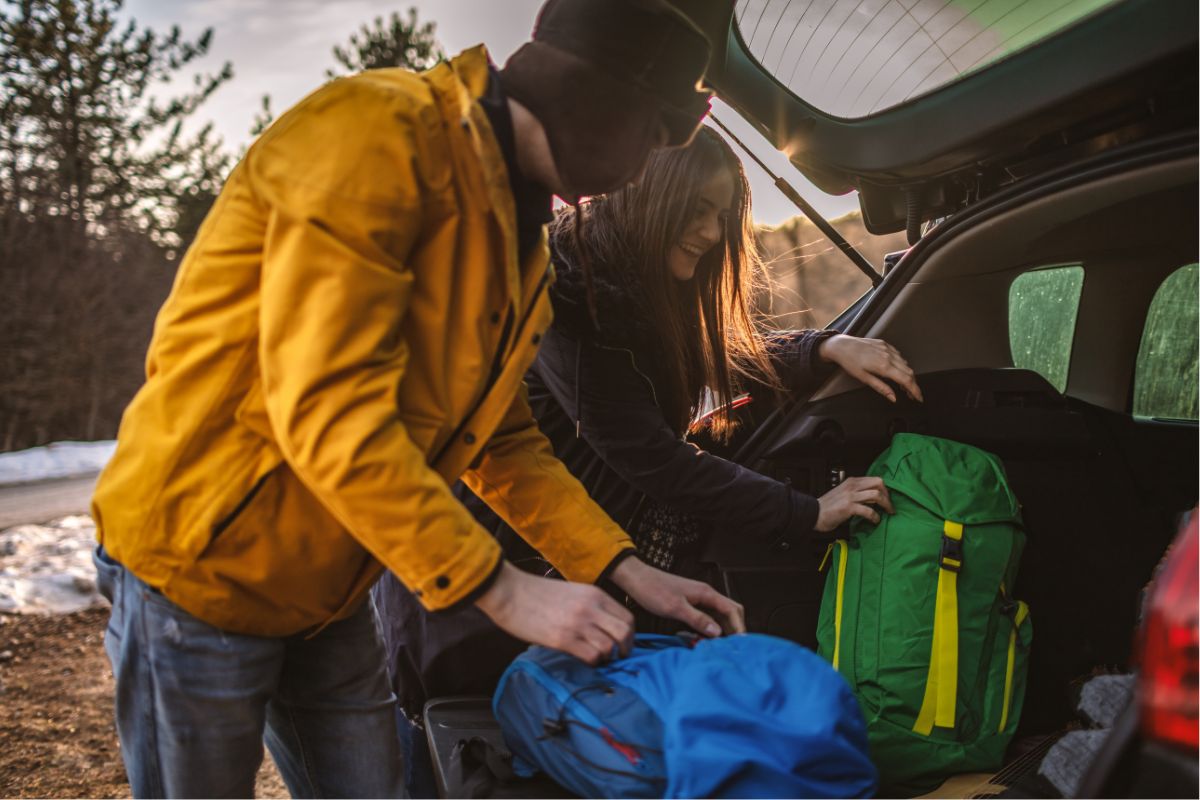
(1042, 307)
(855, 58)
(1165, 379)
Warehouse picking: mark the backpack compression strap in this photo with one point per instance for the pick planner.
(843, 552)
(941, 687)
(1018, 620)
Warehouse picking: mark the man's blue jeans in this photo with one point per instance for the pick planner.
(193, 701)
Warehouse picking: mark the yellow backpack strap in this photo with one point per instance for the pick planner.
(1018, 620)
(843, 553)
(941, 687)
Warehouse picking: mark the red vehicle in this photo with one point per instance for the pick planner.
(1153, 749)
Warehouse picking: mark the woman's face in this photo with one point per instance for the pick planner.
(703, 231)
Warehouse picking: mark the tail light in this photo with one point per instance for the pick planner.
(1170, 706)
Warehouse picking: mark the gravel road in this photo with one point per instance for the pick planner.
(45, 500)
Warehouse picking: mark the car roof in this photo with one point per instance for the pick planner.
(1100, 73)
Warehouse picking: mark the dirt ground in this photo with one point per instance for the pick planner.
(56, 725)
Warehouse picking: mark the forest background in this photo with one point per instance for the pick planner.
(104, 181)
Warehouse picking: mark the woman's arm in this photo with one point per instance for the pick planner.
(805, 358)
(795, 356)
(611, 397)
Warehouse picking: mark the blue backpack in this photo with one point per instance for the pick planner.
(739, 716)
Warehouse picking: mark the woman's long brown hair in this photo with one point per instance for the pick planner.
(706, 330)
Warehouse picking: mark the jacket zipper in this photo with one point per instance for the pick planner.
(633, 363)
(497, 364)
(502, 347)
(579, 382)
(222, 524)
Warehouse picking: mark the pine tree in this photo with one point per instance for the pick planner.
(100, 189)
(82, 139)
(396, 43)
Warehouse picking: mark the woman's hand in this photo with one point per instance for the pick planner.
(672, 596)
(853, 497)
(869, 361)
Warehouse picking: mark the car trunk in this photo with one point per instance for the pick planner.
(1101, 490)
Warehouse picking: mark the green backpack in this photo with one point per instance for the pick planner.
(918, 614)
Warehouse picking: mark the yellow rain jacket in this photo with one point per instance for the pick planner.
(332, 357)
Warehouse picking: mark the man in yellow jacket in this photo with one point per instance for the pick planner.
(346, 337)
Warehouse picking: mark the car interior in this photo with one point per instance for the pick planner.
(1101, 489)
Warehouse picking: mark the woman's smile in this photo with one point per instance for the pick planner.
(705, 228)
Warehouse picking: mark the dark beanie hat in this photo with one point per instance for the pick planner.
(602, 76)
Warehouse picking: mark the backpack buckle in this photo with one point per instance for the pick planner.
(951, 557)
(552, 727)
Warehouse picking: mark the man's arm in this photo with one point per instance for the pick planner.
(521, 479)
(343, 211)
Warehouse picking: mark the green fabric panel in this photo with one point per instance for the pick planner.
(902, 609)
(889, 606)
(954, 481)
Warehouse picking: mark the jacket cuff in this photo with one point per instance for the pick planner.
(802, 520)
(606, 574)
(453, 580)
(795, 356)
(816, 366)
(479, 591)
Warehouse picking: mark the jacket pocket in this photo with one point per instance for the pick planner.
(251, 415)
(223, 523)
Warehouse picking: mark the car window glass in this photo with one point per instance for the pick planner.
(1165, 379)
(854, 58)
(1042, 307)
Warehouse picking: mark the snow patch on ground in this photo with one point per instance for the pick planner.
(58, 460)
(47, 569)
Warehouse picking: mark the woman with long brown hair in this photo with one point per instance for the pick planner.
(653, 312)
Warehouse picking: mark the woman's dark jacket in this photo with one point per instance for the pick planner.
(598, 397)
(596, 393)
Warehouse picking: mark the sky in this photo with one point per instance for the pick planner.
(283, 47)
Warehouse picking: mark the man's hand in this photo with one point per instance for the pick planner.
(869, 360)
(679, 598)
(853, 497)
(576, 618)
